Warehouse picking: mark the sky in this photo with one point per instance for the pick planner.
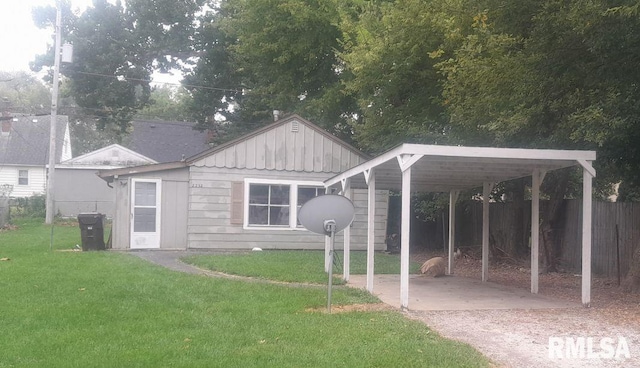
(21, 40)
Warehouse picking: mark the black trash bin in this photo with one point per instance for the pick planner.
(92, 231)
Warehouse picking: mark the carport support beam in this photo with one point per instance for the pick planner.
(405, 231)
(486, 191)
(371, 220)
(327, 245)
(346, 191)
(453, 198)
(536, 180)
(587, 182)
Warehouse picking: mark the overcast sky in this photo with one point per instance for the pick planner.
(20, 39)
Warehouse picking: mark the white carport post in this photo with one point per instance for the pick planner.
(486, 191)
(536, 180)
(405, 161)
(346, 191)
(370, 178)
(327, 245)
(588, 173)
(453, 198)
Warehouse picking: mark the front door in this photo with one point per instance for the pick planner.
(145, 213)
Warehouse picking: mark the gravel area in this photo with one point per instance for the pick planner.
(524, 338)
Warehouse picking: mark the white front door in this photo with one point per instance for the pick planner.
(145, 213)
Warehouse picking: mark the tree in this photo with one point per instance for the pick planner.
(23, 93)
(389, 51)
(260, 56)
(116, 48)
(166, 103)
(561, 80)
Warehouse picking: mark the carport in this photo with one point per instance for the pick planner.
(451, 169)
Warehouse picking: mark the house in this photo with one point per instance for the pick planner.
(242, 194)
(24, 152)
(79, 190)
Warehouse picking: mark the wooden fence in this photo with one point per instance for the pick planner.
(616, 227)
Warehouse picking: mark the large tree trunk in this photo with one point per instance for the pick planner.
(556, 188)
(631, 283)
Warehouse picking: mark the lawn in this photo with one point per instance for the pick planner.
(111, 309)
(296, 266)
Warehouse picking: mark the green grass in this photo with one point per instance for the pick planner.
(294, 265)
(110, 309)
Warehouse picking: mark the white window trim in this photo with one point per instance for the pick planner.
(158, 207)
(293, 203)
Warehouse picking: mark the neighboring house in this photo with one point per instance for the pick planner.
(24, 152)
(243, 194)
(78, 189)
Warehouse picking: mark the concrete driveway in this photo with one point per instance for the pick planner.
(455, 293)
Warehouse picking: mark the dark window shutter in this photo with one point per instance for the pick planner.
(237, 199)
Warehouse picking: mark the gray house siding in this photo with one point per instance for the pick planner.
(204, 203)
(79, 190)
(209, 224)
(286, 148)
(173, 228)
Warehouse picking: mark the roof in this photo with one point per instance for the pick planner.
(28, 140)
(109, 174)
(446, 168)
(165, 141)
(113, 156)
(272, 126)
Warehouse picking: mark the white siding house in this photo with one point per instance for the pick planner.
(243, 194)
(24, 152)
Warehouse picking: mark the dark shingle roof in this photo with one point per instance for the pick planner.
(165, 141)
(28, 140)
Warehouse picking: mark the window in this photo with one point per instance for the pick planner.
(23, 177)
(307, 193)
(269, 205)
(276, 204)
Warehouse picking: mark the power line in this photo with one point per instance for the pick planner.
(170, 83)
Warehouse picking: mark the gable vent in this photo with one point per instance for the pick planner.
(295, 127)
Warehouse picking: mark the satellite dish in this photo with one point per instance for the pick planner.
(326, 215)
(320, 212)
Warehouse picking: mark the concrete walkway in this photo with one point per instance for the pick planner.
(171, 259)
(455, 293)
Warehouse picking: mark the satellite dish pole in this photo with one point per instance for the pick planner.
(330, 228)
(327, 215)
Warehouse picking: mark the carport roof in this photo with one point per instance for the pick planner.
(445, 168)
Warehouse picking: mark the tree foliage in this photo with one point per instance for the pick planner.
(23, 93)
(116, 49)
(543, 74)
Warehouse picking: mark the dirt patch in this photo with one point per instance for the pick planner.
(522, 338)
(372, 307)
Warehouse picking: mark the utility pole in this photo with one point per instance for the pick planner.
(50, 211)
